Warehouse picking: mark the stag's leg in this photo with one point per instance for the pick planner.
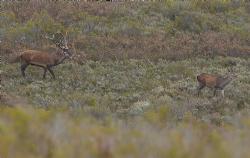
(44, 74)
(222, 93)
(23, 68)
(52, 73)
(199, 88)
(44, 68)
(215, 90)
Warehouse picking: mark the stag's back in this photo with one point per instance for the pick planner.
(37, 57)
(214, 81)
(207, 80)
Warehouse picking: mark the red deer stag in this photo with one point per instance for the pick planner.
(42, 59)
(215, 82)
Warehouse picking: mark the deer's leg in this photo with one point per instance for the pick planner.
(23, 68)
(44, 68)
(215, 90)
(222, 93)
(199, 88)
(44, 74)
(51, 72)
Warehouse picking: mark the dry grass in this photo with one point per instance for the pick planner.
(171, 30)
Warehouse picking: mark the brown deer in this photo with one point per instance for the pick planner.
(215, 82)
(42, 59)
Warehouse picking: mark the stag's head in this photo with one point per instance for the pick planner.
(60, 41)
(231, 73)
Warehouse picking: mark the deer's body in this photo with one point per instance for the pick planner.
(215, 82)
(40, 58)
(43, 59)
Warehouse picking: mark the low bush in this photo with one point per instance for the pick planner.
(171, 30)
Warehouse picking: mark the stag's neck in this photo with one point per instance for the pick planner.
(59, 58)
(224, 81)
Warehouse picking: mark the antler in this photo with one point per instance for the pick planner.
(58, 39)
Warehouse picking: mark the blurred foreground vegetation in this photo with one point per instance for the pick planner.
(25, 132)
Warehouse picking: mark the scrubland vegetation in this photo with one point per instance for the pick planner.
(130, 89)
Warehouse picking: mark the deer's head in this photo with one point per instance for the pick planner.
(231, 74)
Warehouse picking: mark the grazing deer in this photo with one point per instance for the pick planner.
(215, 82)
(42, 59)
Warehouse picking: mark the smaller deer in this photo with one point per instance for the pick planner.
(215, 82)
(42, 59)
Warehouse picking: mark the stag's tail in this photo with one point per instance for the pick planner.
(201, 77)
(198, 78)
(14, 58)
